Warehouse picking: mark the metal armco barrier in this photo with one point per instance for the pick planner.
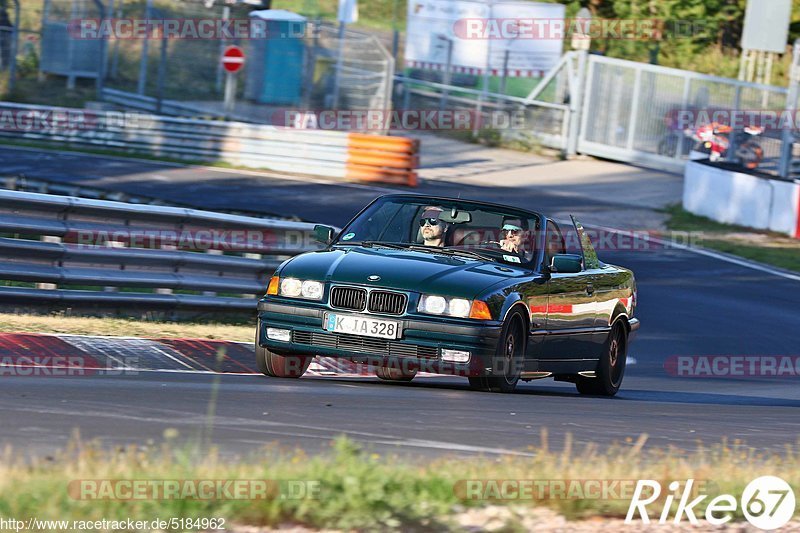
(92, 252)
(333, 154)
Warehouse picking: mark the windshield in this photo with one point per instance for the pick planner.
(457, 227)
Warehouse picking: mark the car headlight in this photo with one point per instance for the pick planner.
(434, 305)
(296, 288)
(291, 287)
(311, 290)
(455, 307)
(459, 307)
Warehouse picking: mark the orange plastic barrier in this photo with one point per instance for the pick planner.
(382, 159)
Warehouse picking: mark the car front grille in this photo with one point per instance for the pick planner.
(349, 298)
(375, 301)
(390, 303)
(364, 345)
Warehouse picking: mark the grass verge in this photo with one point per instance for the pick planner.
(352, 488)
(766, 247)
(76, 325)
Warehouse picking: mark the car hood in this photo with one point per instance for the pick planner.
(401, 269)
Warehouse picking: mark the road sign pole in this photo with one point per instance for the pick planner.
(230, 91)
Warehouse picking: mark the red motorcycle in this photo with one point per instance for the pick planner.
(714, 139)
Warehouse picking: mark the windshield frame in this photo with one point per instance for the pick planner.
(534, 263)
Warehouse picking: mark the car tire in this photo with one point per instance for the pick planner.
(610, 368)
(394, 374)
(280, 366)
(511, 350)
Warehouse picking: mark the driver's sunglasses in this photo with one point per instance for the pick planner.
(428, 222)
(513, 231)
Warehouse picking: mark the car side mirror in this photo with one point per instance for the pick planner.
(324, 234)
(566, 263)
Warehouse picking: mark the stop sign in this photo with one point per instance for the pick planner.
(233, 59)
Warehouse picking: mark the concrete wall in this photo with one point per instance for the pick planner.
(743, 199)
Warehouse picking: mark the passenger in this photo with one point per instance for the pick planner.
(515, 238)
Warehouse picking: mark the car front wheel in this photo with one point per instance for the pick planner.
(610, 368)
(280, 366)
(510, 353)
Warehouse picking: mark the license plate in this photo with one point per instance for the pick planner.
(360, 325)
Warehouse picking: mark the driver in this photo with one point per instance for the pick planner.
(432, 228)
(515, 236)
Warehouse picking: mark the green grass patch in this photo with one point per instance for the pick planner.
(353, 488)
(217, 326)
(765, 247)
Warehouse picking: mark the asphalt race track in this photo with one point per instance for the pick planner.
(689, 304)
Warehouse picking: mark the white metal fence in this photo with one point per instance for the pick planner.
(624, 110)
(631, 111)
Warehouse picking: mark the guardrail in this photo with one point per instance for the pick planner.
(150, 104)
(98, 252)
(333, 154)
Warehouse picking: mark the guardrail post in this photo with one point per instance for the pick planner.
(211, 251)
(48, 286)
(250, 255)
(170, 247)
(114, 244)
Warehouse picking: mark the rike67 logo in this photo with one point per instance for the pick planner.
(767, 502)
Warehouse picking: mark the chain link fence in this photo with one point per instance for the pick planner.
(188, 71)
(92, 39)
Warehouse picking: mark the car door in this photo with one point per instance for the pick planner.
(600, 281)
(571, 310)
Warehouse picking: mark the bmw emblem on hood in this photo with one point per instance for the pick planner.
(374, 278)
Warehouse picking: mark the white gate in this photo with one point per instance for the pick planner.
(630, 111)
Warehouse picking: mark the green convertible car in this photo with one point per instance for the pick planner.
(449, 286)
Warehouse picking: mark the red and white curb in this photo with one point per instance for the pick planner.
(36, 354)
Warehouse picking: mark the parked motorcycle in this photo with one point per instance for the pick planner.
(714, 139)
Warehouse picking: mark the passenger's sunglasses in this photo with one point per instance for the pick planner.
(428, 222)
